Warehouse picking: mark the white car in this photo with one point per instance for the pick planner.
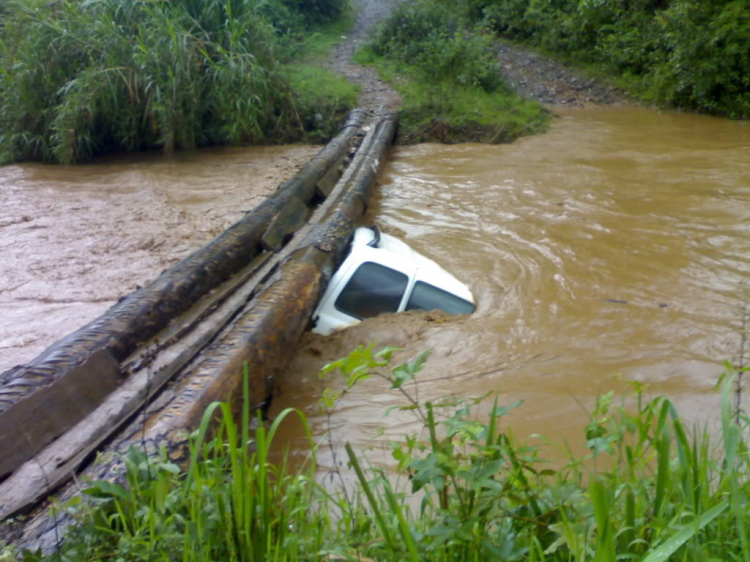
(381, 274)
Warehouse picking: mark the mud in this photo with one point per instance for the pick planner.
(75, 239)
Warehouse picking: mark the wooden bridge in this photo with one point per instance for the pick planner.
(244, 298)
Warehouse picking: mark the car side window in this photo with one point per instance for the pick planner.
(373, 289)
(428, 297)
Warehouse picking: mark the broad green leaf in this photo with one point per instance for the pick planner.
(666, 549)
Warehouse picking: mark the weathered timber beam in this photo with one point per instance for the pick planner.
(55, 465)
(273, 322)
(144, 313)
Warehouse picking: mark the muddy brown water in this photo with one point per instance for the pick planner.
(617, 243)
(74, 239)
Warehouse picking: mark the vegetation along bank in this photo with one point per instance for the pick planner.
(448, 76)
(685, 54)
(83, 78)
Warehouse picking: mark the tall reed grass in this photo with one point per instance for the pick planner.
(649, 489)
(81, 77)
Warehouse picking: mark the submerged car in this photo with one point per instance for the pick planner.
(381, 274)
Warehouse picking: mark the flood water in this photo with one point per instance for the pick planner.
(73, 239)
(616, 243)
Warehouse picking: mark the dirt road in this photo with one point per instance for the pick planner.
(550, 82)
(531, 74)
(375, 92)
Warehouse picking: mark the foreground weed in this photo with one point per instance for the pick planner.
(648, 489)
(462, 488)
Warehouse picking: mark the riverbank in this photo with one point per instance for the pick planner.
(685, 54)
(459, 85)
(550, 82)
(89, 78)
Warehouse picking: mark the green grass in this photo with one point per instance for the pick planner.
(317, 44)
(84, 78)
(321, 97)
(441, 111)
(449, 79)
(649, 489)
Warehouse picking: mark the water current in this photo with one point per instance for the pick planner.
(74, 239)
(615, 244)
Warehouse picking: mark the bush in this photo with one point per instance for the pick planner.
(689, 54)
(429, 39)
(82, 78)
(449, 79)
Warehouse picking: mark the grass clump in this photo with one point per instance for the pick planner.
(448, 76)
(320, 97)
(649, 489)
(82, 78)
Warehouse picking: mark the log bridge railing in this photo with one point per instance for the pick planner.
(244, 298)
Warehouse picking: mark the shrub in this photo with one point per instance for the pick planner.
(449, 79)
(82, 78)
(430, 40)
(688, 54)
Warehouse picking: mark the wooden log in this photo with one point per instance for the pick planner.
(55, 465)
(261, 337)
(326, 184)
(64, 402)
(144, 313)
(272, 325)
(290, 218)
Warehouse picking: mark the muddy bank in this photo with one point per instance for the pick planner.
(75, 239)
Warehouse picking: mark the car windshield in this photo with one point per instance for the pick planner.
(428, 297)
(373, 289)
